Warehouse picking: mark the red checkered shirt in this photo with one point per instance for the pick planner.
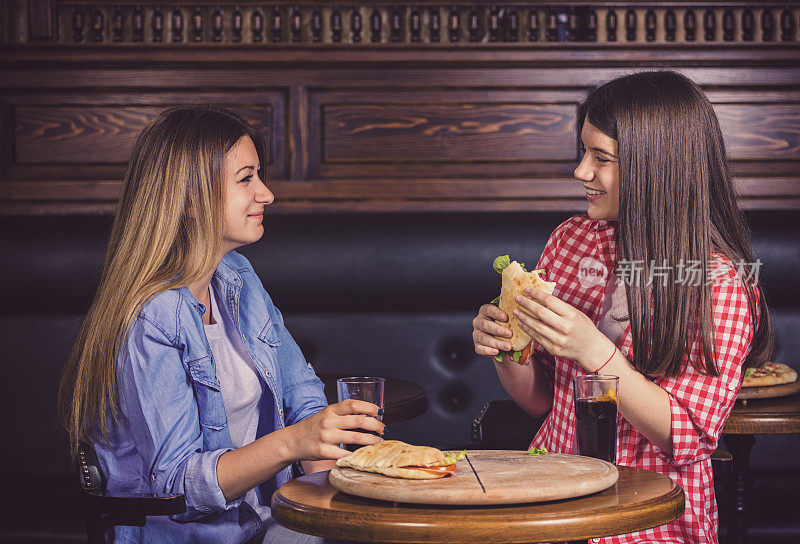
(699, 403)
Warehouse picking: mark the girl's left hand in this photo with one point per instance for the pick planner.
(562, 329)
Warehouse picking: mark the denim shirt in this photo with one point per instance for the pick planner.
(173, 427)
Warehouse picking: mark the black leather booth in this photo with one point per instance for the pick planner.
(371, 294)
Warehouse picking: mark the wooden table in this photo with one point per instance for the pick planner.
(402, 399)
(756, 416)
(639, 500)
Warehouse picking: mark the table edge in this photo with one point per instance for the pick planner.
(779, 423)
(300, 517)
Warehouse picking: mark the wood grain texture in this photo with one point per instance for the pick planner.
(559, 55)
(761, 131)
(374, 128)
(765, 416)
(465, 132)
(65, 196)
(640, 499)
(90, 137)
(212, 69)
(75, 135)
(93, 134)
(41, 24)
(508, 477)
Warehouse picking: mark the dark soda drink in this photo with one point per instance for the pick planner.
(596, 426)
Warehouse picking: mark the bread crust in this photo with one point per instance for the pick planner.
(392, 457)
(515, 280)
(405, 473)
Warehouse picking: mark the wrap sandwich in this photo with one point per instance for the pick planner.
(400, 460)
(515, 280)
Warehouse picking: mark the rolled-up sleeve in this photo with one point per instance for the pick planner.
(157, 398)
(700, 404)
(201, 486)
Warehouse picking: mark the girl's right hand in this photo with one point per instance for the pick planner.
(487, 332)
(318, 437)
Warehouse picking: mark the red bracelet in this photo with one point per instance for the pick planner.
(608, 361)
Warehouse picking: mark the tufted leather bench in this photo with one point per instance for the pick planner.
(390, 294)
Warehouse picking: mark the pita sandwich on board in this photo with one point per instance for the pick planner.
(515, 280)
(400, 460)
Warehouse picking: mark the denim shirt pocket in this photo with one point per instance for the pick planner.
(269, 334)
(207, 391)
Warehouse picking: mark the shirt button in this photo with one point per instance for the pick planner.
(152, 477)
(269, 375)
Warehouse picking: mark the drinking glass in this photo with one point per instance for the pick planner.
(367, 388)
(596, 415)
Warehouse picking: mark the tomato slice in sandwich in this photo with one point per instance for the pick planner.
(526, 353)
(447, 469)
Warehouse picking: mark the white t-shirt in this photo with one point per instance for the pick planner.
(239, 382)
(615, 304)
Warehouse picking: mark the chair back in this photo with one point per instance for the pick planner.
(89, 474)
(502, 424)
(107, 509)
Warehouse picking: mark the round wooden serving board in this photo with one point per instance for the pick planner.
(509, 477)
(769, 391)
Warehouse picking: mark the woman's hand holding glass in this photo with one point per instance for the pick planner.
(562, 329)
(318, 437)
(487, 332)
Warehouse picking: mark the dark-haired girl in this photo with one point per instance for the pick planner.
(677, 314)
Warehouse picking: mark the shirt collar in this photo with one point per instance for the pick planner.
(226, 272)
(602, 224)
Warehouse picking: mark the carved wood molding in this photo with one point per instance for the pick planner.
(426, 24)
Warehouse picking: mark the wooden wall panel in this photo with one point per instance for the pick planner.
(77, 134)
(761, 132)
(464, 132)
(442, 132)
(482, 118)
(73, 137)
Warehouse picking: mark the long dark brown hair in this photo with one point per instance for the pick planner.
(156, 244)
(677, 205)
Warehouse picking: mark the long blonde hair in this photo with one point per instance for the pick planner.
(167, 233)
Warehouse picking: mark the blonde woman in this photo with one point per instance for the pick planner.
(183, 376)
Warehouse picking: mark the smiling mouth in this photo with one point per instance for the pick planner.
(592, 192)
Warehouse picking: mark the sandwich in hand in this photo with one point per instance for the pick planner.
(400, 460)
(515, 280)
